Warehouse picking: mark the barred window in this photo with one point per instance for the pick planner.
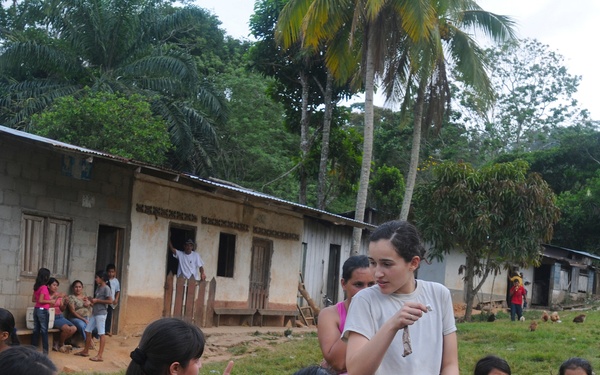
(45, 242)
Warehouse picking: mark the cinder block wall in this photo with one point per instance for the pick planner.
(32, 181)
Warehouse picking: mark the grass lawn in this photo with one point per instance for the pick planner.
(529, 353)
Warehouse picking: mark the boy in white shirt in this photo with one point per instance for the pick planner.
(115, 289)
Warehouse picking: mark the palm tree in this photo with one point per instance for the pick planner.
(423, 66)
(364, 32)
(112, 46)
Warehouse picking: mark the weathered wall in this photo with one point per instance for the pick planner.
(146, 264)
(32, 181)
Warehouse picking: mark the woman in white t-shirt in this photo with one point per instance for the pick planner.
(399, 301)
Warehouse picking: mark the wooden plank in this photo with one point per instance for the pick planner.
(212, 287)
(192, 284)
(199, 304)
(177, 310)
(168, 296)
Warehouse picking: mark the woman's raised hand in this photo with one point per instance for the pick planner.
(228, 368)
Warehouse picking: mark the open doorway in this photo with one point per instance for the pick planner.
(179, 234)
(110, 251)
(333, 274)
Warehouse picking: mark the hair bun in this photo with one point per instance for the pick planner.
(138, 356)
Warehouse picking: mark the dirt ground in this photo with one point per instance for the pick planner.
(219, 340)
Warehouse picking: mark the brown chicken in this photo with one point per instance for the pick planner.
(554, 317)
(533, 326)
(545, 317)
(579, 318)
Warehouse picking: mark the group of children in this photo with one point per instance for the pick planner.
(46, 296)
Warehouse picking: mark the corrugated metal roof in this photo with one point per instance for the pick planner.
(593, 256)
(307, 210)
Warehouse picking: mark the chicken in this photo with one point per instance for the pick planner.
(533, 326)
(579, 318)
(554, 317)
(491, 317)
(545, 317)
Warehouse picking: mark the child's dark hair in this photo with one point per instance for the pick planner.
(313, 370)
(111, 266)
(42, 278)
(103, 275)
(573, 364)
(352, 263)
(53, 280)
(7, 324)
(403, 236)
(25, 360)
(488, 363)
(163, 342)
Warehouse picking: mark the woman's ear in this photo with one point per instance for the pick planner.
(414, 263)
(174, 368)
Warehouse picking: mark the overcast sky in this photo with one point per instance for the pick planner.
(568, 27)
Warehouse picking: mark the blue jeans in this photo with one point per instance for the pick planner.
(516, 309)
(41, 318)
(80, 324)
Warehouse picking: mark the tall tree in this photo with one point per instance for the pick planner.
(131, 47)
(423, 66)
(362, 31)
(534, 96)
(497, 215)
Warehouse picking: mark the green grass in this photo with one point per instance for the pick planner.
(528, 353)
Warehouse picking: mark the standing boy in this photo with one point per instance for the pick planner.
(115, 289)
(102, 298)
(189, 261)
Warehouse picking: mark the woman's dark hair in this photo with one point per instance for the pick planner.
(486, 364)
(7, 324)
(403, 236)
(42, 278)
(352, 263)
(573, 364)
(73, 285)
(163, 342)
(53, 280)
(25, 360)
(313, 370)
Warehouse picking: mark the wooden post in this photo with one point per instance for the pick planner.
(210, 305)
(178, 309)
(168, 296)
(316, 310)
(199, 306)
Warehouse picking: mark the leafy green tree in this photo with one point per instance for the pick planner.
(387, 191)
(534, 96)
(497, 215)
(106, 122)
(132, 47)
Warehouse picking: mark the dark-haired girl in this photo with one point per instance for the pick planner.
(102, 298)
(41, 313)
(169, 346)
(377, 325)
(356, 276)
(8, 335)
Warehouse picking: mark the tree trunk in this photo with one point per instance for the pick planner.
(365, 170)
(322, 183)
(304, 144)
(411, 178)
(469, 290)
(316, 310)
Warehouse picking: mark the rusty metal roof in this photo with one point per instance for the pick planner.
(69, 148)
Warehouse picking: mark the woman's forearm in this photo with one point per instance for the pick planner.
(365, 358)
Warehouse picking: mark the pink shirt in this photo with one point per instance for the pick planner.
(42, 290)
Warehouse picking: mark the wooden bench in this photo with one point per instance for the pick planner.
(288, 315)
(24, 333)
(244, 314)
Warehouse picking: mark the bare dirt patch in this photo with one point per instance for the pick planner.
(220, 342)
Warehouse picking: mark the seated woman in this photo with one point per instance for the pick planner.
(67, 329)
(80, 308)
(356, 276)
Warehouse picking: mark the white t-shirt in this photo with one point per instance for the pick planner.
(370, 309)
(115, 286)
(189, 264)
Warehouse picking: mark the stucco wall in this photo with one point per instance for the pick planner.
(32, 181)
(146, 265)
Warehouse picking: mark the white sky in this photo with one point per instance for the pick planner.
(568, 27)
